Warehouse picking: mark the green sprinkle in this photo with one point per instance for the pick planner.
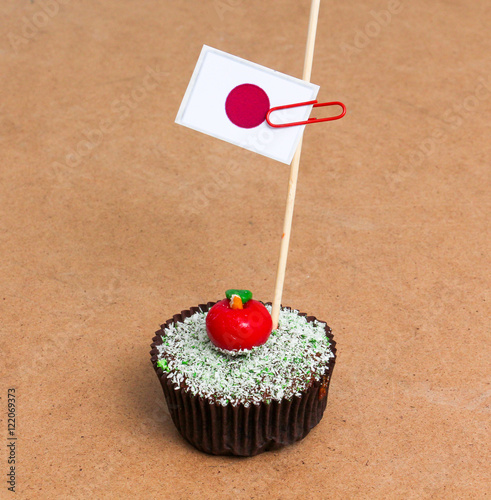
(162, 363)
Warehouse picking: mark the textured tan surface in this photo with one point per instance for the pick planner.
(389, 243)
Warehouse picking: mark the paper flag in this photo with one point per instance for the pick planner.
(228, 98)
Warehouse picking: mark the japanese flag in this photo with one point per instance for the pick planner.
(229, 97)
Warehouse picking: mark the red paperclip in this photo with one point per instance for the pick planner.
(310, 120)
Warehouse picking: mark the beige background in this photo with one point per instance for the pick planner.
(389, 245)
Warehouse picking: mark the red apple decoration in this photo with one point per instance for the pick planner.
(238, 322)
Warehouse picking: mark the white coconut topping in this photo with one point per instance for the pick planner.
(294, 355)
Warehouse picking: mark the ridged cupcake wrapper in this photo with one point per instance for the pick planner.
(237, 429)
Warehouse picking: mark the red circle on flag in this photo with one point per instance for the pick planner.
(247, 105)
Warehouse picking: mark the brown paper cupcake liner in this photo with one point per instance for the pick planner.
(238, 429)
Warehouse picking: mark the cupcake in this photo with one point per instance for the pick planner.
(230, 395)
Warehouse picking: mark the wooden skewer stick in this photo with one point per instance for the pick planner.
(292, 183)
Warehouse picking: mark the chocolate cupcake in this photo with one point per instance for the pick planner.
(244, 403)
